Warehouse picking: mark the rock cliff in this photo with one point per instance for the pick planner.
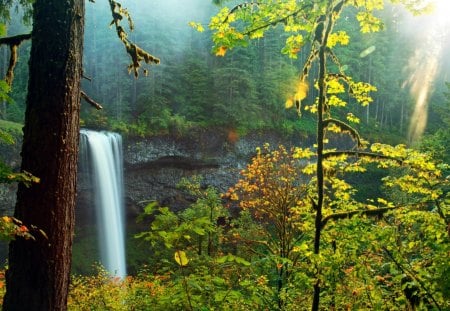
(154, 166)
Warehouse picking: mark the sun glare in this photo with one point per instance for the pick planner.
(431, 34)
(442, 10)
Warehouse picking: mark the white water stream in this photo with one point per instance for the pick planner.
(103, 153)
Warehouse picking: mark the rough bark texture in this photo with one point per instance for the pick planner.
(38, 274)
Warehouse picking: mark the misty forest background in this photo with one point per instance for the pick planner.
(247, 89)
(224, 266)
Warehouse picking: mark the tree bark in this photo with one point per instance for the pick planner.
(38, 273)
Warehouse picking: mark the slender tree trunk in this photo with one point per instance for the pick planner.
(377, 108)
(38, 274)
(321, 106)
(320, 174)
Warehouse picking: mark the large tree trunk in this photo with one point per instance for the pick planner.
(38, 274)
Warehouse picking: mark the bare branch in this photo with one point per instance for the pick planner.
(344, 127)
(90, 101)
(15, 40)
(86, 77)
(13, 43)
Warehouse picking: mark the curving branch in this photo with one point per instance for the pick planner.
(273, 23)
(312, 56)
(268, 24)
(368, 212)
(238, 7)
(346, 128)
(13, 42)
(353, 153)
(136, 53)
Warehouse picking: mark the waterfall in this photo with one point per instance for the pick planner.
(101, 154)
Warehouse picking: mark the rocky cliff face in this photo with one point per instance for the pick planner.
(154, 166)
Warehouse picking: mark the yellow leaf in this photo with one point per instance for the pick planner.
(301, 90)
(197, 26)
(382, 201)
(289, 103)
(352, 118)
(181, 258)
(231, 17)
(221, 51)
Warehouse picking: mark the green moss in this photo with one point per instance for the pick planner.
(11, 127)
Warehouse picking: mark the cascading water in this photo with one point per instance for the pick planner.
(101, 154)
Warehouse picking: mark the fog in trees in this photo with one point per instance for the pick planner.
(381, 236)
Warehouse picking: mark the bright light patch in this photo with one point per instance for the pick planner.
(442, 10)
(425, 63)
(368, 51)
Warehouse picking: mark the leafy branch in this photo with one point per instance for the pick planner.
(278, 21)
(356, 153)
(239, 7)
(368, 212)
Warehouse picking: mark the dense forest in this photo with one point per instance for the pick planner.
(247, 89)
(319, 227)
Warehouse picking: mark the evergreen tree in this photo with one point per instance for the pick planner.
(38, 272)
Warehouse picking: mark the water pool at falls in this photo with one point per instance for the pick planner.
(101, 155)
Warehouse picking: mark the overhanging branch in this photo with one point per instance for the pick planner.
(13, 42)
(136, 53)
(271, 23)
(344, 127)
(367, 212)
(353, 153)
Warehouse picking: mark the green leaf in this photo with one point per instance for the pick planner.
(242, 261)
(181, 258)
(199, 231)
(150, 208)
(218, 281)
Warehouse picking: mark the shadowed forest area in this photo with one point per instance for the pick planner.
(347, 207)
